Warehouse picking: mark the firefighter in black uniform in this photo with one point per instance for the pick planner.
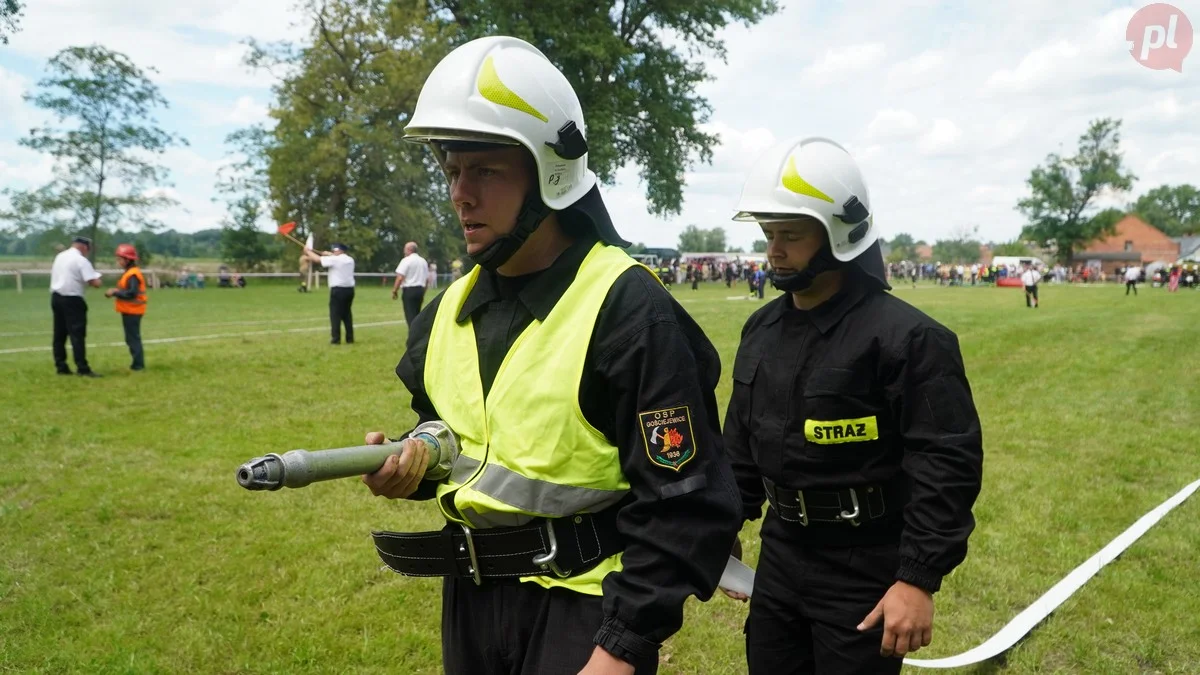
(852, 416)
(592, 495)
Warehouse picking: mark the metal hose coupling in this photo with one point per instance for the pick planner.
(299, 468)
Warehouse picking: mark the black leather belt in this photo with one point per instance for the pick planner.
(560, 547)
(846, 506)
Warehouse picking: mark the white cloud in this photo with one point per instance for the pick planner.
(1038, 68)
(186, 41)
(842, 62)
(737, 149)
(23, 169)
(1092, 56)
(1182, 163)
(185, 163)
(245, 112)
(941, 138)
(893, 125)
(14, 112)
(921, 70)
(191, 213)
(946, 107)
(1166, 111)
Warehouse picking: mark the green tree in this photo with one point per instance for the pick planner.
(1016, 247)
(692, 239)
(104, 161)
(241, 244)
(243, 185)
(10, 18)
(735, 249)
(963, 247)
(1061, 207)
(143, 250)
(956, 251)
(714, 239)
(634, 65)
(336, 162)
(760, 246)
(695, 239)
(903, 248)
(1174, 209)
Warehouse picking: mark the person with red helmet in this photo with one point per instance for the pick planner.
(130, 294)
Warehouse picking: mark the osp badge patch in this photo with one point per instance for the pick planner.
(668, 435)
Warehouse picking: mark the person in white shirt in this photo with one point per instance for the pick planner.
(1132, 274)
(1030, 278)
(412, 276)
(71, 275)
(341, 289)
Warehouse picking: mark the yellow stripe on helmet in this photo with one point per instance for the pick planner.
(792, 181)
(490, 87)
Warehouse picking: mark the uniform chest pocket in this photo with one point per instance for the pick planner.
(745, 365)
(839, 408)
(745, 369)
(837, 382)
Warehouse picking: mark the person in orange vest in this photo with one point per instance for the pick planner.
(131, 301)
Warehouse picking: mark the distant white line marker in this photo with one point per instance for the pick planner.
(214, 336)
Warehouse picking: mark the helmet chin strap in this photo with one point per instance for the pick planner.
(533, 212)
(822, 262)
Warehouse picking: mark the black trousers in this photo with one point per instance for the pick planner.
(808, 601)
(133, 338)
(1130, 286)
(70, 320)
(512, 628)
(1031, 299)
(412, 297)
(340, 300)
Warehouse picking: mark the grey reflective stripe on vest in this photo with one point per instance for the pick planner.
(495, 518)
(464, 467)
(542, 497)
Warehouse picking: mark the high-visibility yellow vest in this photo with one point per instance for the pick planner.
(527, 450)
(138, 304)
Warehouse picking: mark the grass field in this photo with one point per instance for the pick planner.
(128, 547)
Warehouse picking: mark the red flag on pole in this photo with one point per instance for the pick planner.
(287, 228)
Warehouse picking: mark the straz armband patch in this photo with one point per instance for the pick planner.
(668, 435)
(841, 431)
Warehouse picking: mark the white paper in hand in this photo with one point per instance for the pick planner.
(737, 577)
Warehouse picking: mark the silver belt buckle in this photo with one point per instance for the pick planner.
(851, 516)
(803, 507)
(469, 549)
(546, 560)
(776, 502)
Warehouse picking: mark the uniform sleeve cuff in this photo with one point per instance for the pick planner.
(921, 576)
(616, 639)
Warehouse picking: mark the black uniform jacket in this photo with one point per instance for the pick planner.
(646, 355)
(863, 356)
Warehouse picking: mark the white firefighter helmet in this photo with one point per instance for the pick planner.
(813, 177)
(502, 90)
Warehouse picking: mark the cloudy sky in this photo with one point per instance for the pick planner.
(947, 108)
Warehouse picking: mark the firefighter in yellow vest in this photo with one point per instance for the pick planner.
(131, 301)
(592, 496)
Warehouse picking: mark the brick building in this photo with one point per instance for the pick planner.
(1135, 242)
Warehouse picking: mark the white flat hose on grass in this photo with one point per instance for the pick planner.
(737, 577)
(740, 578)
